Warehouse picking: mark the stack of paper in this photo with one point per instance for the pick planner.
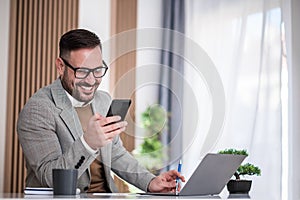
(42, 191)
(38, 190)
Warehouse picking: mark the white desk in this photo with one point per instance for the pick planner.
(113, 196)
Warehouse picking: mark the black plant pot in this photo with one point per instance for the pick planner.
(239, 186)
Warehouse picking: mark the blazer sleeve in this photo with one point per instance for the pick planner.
(128, 168)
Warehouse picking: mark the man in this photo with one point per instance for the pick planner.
(63, 126)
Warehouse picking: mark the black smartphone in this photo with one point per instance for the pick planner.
(119, 107)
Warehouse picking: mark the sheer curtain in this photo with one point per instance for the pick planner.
(243, 39)
(291, 20)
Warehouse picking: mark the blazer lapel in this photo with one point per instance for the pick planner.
(68, 113)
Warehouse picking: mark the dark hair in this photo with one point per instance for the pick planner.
(77, 39)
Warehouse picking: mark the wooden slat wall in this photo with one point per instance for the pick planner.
(35, 29)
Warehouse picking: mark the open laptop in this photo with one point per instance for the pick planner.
(211, 175)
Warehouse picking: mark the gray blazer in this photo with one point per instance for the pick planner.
(49, 131)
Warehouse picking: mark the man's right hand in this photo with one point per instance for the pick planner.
(99, 133)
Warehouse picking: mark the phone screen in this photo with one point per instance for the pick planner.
(119, 107)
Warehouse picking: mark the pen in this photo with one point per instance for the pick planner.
(177, 179)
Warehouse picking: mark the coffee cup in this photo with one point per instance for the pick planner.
(64, 181)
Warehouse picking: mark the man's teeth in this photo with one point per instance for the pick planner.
(87, 88)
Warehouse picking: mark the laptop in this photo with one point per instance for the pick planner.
(210, 177)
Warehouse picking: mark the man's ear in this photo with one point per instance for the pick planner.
(60, 66)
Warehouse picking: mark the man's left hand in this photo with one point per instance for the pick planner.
(166, 182)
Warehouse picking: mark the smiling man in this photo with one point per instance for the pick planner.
(63, 126)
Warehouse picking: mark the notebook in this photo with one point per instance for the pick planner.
(211, 175)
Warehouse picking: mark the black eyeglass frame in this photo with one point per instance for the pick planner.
(87, 69)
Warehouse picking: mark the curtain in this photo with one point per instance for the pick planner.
(291, 16)
(170, 89)
(243, 39)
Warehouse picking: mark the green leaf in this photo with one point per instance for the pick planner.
(248, 169)
(234, 151)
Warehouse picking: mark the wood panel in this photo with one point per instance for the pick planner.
(35, 29)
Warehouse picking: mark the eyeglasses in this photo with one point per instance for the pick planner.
(82, 72)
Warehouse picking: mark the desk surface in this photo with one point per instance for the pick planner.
(113, 196)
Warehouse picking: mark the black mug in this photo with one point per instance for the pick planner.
(64, 181)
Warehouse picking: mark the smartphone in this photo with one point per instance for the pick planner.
(119, 107)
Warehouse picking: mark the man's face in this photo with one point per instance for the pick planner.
(81, 89)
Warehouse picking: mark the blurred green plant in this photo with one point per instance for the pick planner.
(246, 169)
(154, 119)
(150, 153)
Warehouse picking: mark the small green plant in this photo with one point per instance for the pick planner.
(246, 169)
(234, 151)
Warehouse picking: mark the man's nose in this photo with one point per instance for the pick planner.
(90, 79)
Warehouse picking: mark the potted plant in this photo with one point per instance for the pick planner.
(238, 185)
(150, 153)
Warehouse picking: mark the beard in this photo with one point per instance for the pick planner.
(81, 90)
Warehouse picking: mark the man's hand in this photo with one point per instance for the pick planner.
(98, 134)
(166, 182)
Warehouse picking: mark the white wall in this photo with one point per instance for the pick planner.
(94, 15)
(148, 16)
(4, 38)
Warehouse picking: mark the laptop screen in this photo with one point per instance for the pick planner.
(210, 176)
